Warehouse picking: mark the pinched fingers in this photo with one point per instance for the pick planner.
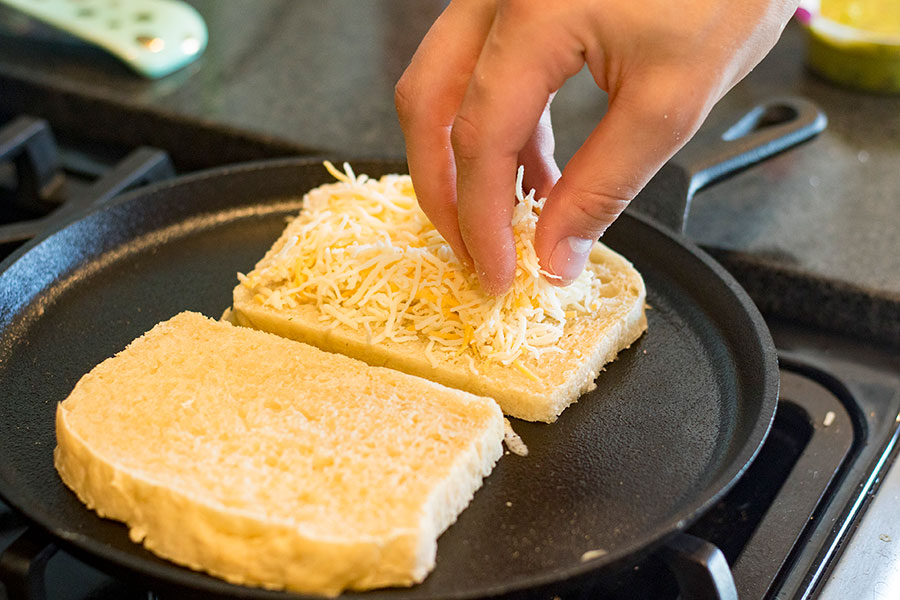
(504, 118)
(541, 169)
(648, 120)
(428, 96)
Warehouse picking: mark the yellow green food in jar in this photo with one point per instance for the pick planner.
(877, 16)
(857, 43)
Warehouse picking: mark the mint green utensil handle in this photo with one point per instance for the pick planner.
(153, 37)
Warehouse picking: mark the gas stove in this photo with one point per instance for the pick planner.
(813, 516)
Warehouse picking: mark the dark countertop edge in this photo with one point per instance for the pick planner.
(834, 306)
(81, 115)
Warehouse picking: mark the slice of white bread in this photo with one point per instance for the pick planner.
(535, 389)
(271, 463)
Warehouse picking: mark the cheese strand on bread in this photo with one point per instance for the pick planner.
(363, 252)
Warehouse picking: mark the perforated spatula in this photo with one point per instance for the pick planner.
(153, 37)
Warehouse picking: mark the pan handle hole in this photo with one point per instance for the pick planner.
(759, 118)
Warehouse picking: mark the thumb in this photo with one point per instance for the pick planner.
(638, 134)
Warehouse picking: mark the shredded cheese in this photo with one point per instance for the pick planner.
(366, 256)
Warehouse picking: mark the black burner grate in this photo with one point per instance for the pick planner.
(41, 188)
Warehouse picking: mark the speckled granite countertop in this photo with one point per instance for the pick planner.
(814, 234)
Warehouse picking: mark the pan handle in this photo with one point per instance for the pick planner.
(765, 130)
(700, 568)
(719, 151)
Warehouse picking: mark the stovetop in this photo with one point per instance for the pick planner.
(784, 529)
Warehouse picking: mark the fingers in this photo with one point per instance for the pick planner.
(500, 117)
(474, 103)
(428, 97)
(646, 123)
(541, 170)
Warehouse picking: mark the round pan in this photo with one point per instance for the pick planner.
(673, 421)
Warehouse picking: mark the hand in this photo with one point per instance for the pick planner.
(474, 103)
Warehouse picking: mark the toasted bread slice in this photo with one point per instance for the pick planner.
(533, 389)
(271, 463)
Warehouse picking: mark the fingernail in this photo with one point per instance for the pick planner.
(569, 256)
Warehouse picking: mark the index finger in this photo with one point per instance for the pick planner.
(428, 96)
(517, 71)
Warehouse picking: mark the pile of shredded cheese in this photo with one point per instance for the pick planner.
(364, 253)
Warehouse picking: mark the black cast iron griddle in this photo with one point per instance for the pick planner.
(673, 421)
